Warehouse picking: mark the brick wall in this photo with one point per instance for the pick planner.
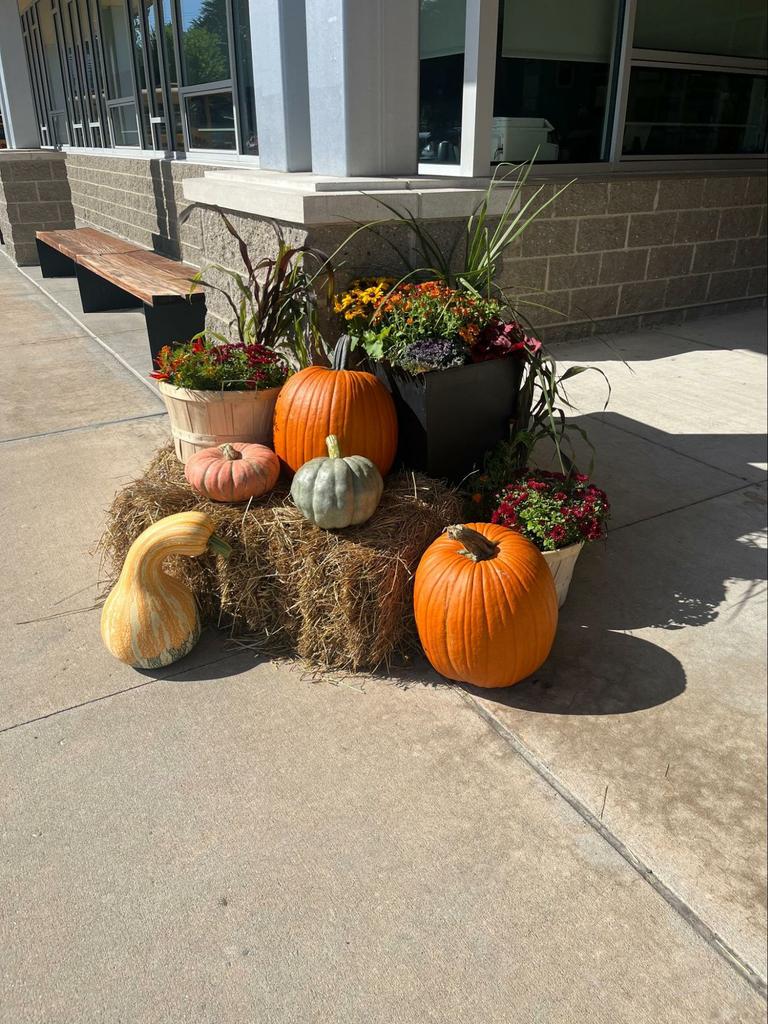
(623, 254)
(606, 255)
(140, 200)
(34, 196)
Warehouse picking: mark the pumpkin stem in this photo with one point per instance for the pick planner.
(229, 452)
(476, 546)
(218, 545)
(340, 356)
(333, 446)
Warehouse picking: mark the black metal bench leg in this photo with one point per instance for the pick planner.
(97, 294)
(169, 323)
(54, 263)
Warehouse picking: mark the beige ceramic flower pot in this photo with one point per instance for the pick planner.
(561, 564)
(203, 419)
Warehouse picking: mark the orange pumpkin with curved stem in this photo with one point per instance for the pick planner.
(350, 404)
(485, 605)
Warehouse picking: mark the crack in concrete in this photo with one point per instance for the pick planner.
(683, 909)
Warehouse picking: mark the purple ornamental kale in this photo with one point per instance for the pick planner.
(434, 354)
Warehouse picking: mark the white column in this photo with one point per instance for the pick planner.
(479, 79)
(18, 108)
(279, 48)
(363, 61)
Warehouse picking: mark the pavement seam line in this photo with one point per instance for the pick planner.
(691, 504)
(88, 331)
(83, 426)
(669, 448)
(115, 693)
(683, 909)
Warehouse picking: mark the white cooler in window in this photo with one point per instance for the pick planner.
(515, 139)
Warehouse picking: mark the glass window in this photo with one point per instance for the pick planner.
(553, 67)
(441, 79)
(691, 111)
(211, 121)
(734, 28)
(117, 48)
(204, 41)
(250, 141)
(125, 130)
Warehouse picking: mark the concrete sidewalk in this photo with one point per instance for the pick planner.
(232, 841)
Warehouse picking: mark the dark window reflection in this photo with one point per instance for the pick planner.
(211, 121)
(674, 111)
(552, 80)
(441, 79)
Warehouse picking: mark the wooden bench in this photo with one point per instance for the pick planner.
(114, 274)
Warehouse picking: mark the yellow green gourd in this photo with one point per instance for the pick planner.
(150, 619)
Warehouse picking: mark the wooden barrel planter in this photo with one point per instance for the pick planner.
(202, 419)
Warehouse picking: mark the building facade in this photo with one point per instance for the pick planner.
(315, 113)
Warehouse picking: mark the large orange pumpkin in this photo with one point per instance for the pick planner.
(485, 605)
(351, 404)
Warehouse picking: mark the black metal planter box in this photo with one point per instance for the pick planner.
(448, 419)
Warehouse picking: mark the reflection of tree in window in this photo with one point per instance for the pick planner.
(205, 49)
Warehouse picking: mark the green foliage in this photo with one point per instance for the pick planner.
(274, 303)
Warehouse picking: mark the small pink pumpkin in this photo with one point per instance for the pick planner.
(233, 472)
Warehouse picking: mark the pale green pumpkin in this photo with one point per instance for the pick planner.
(337, 491)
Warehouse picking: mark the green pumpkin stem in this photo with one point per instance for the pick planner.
(476, 546)
(332, 444)
(219, 546)
(229, 452)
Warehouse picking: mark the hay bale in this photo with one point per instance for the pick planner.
(337, 599)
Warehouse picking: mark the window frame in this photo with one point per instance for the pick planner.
(88, 132)
(480, 41)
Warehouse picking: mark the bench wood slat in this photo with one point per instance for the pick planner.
(147, 275)
(77, 242)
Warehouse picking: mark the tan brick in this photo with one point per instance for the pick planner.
(686, 291)
(740, 222)
(594, 303)
(599, 233)
(697, 225)
(582, 199)
(570, 332)
(726, 191)
(29, 213)
(524, 275)
(549, 237)
(53, 190)
(713, 256)
(728, 284)
(680, 193)
(544, 307)
(758, 281)
(751, 252)
(642, 298)
(669, 261)
(651, 229)
(632, 196)
(623, 265)
(542, 192)
(757, 189)
(573, 271)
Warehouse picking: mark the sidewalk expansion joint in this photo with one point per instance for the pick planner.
(683, 909)
(674, 451)
(691, 504)
(83, 427)
(115, 693)
(99, 341)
